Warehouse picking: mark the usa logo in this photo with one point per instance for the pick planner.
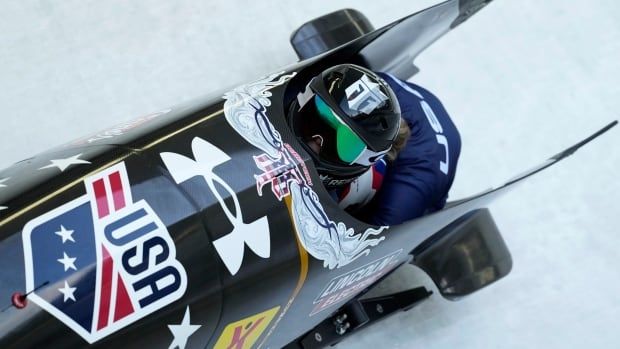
(102, 261)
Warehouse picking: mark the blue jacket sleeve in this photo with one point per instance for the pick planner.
(419, 179)
(409, 190)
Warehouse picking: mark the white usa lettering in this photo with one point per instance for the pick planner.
(432, 119)
(441, 139)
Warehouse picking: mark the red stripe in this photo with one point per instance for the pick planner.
(344, 192)
(377, 179)
(106, 289)
(117, 190)
(101, 197)
(123, 304)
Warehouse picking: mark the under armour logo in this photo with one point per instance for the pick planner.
(230, 247)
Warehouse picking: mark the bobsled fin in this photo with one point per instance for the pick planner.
(547, 163)
(400, 42)
(574, 148)
(563, 154)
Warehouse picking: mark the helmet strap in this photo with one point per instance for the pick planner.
(320, 138)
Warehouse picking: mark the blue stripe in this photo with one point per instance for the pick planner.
(405, 86)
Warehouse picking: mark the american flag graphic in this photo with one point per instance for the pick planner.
(110, 197)
(81, 259)
(278, 172)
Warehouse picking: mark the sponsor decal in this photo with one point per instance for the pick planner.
(364, 95)
(332, 242)
(230, 247)
(182, 331)
(347, 285)
(299, 161)
(243, 334)
(335, 182)
(63, 164)
(102, 261)
(119, 129)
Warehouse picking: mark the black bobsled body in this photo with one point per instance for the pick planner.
(207, 225)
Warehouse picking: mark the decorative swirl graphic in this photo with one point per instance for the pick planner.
(245, 110)
(333, 243)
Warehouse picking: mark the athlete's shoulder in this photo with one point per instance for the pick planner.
(401, 87)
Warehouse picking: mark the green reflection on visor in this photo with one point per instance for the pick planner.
(348, 144)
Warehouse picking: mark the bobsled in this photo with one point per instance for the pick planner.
(207, 225)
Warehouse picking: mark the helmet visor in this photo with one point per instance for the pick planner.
(349, 146)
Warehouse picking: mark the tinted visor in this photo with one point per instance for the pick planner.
(349, 146)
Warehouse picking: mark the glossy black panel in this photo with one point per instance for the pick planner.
(329, 31)
(465, 256)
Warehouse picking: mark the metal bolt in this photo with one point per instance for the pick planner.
(342, 329)
(379, 309)
(340, 319)
(318, 337)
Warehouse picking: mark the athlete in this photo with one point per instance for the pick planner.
(385, 149)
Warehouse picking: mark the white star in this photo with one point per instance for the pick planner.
(63, 164)
(2, 185)
(65, 234)
(68, 292)
(67, 262)
(182, 331)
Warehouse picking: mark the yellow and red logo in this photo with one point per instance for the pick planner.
(243, 334)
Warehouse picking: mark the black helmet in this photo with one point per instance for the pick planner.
(356, 116)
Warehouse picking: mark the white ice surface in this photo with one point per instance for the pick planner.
(522, 80)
